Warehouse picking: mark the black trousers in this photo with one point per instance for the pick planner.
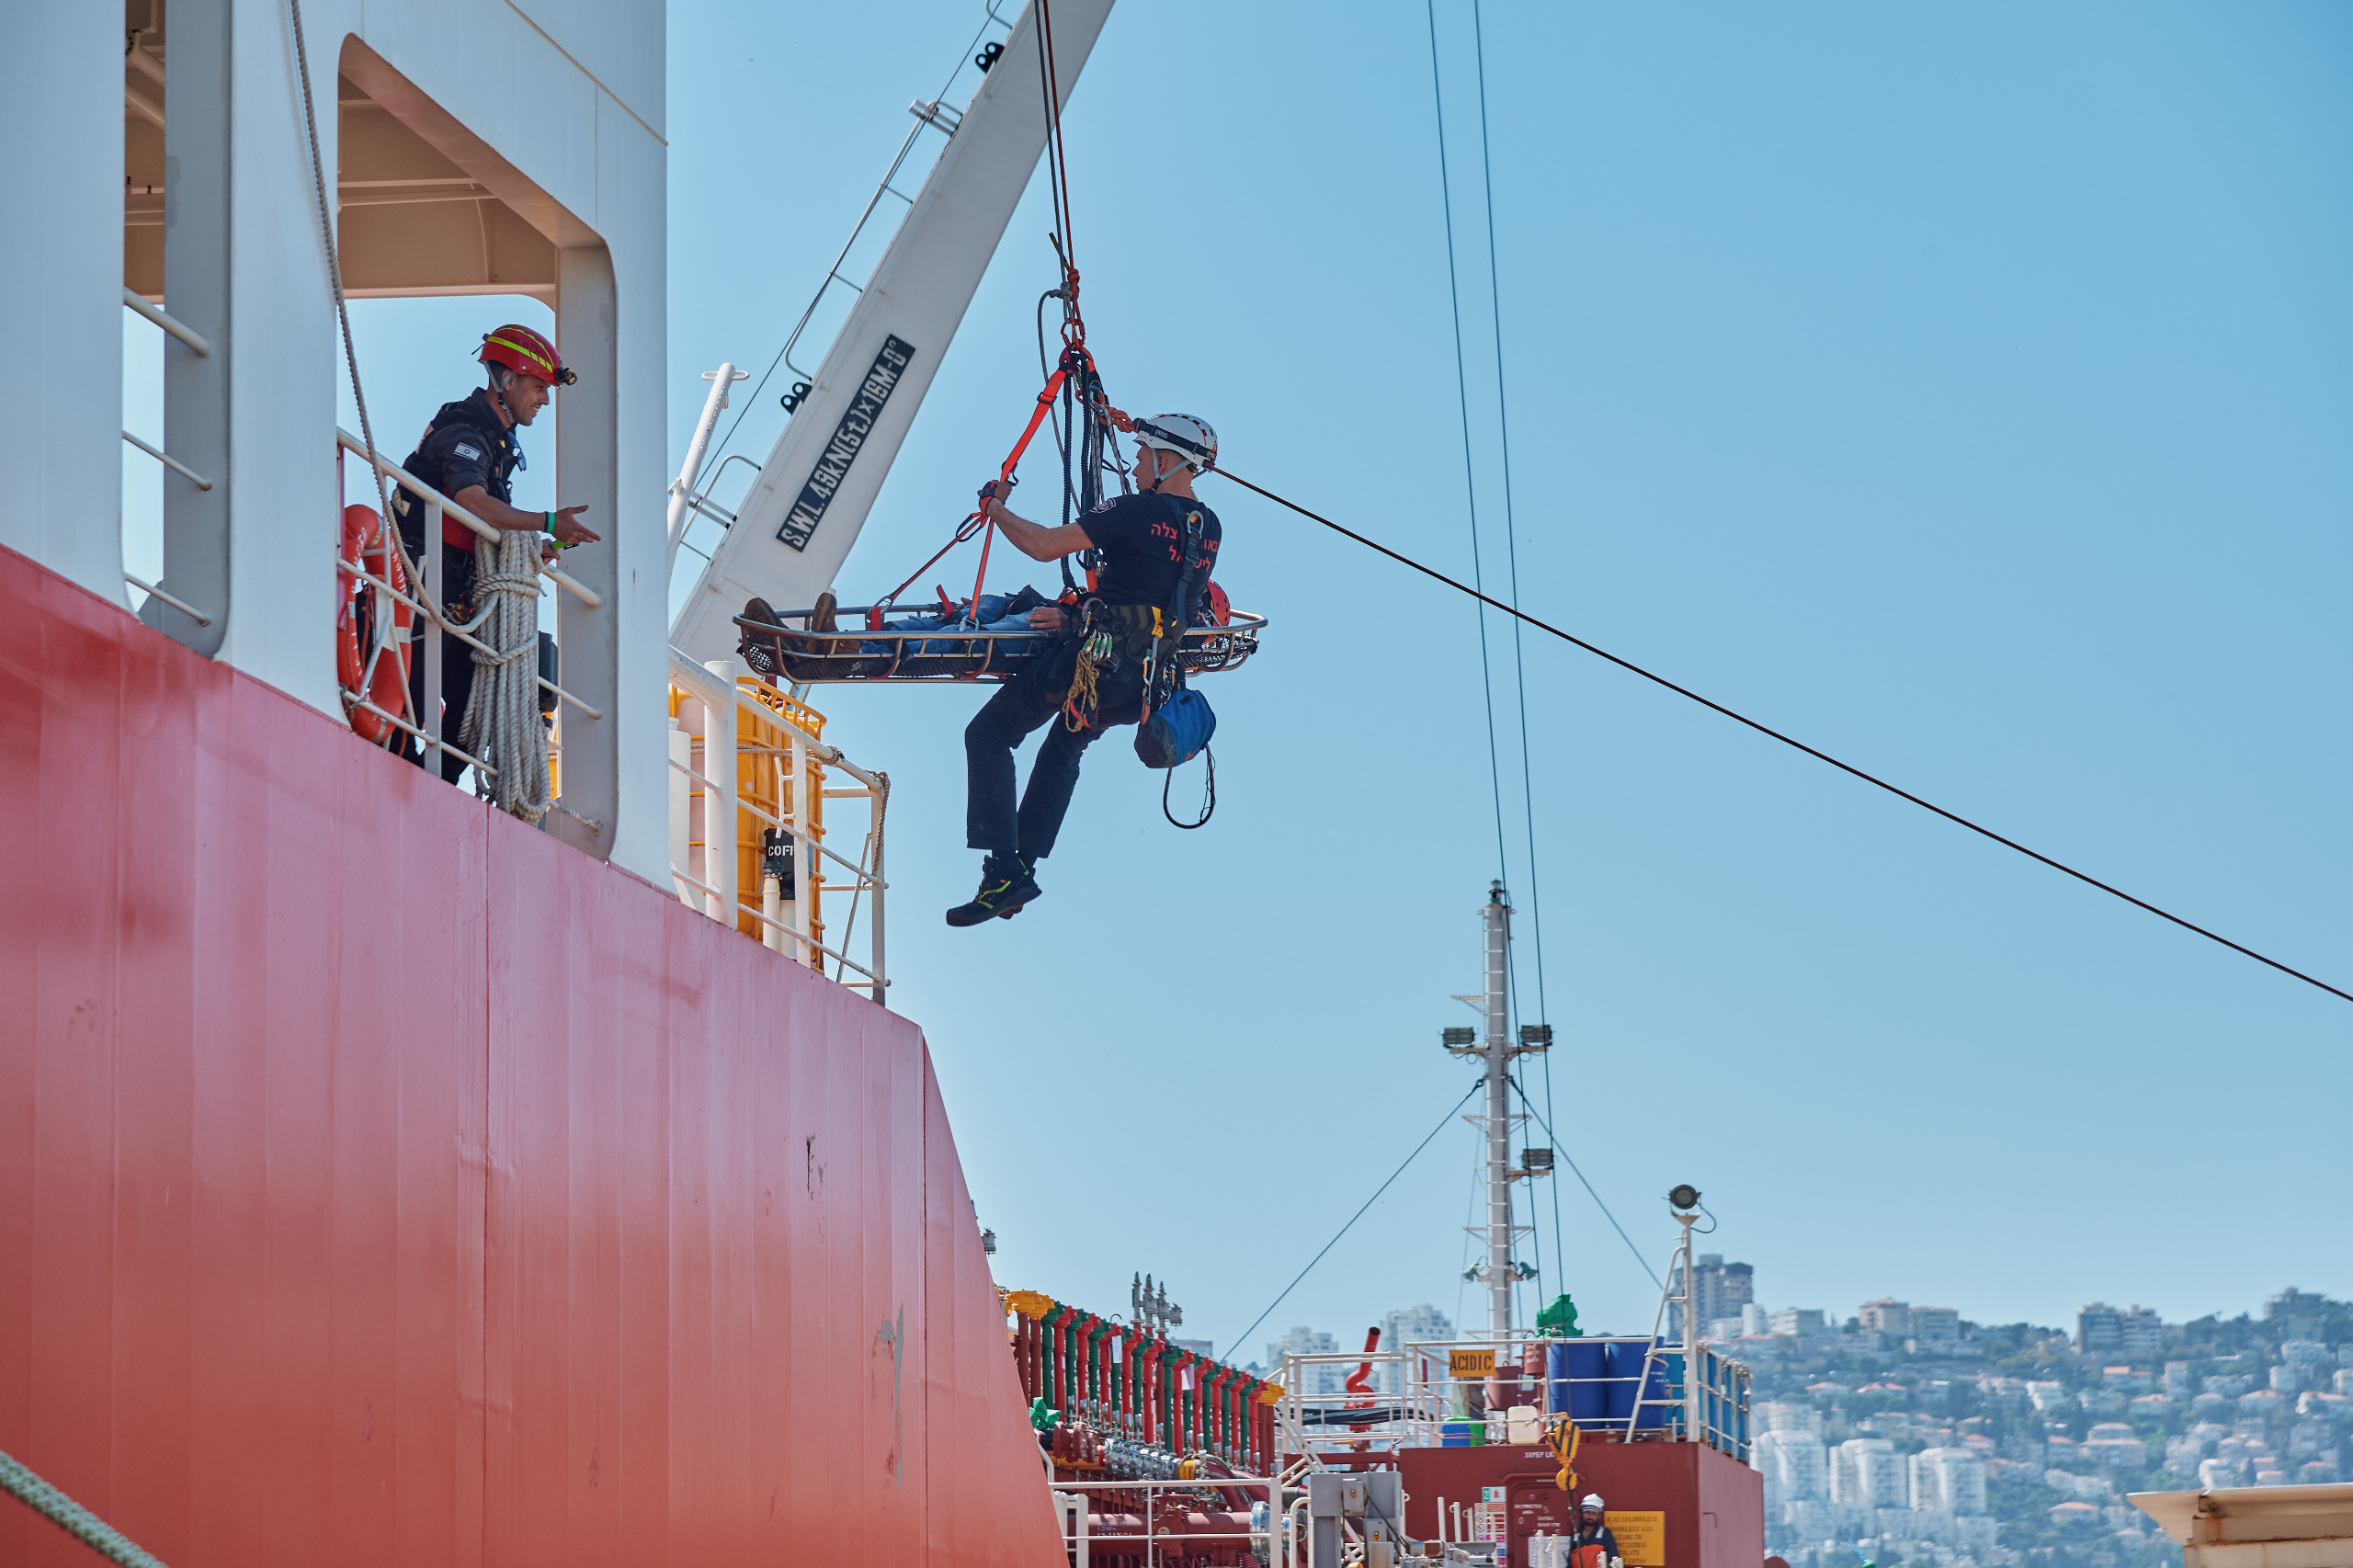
(457, 666)
(1030, 699)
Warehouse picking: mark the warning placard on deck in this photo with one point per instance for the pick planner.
(1642, 1538)
(1470, 1363)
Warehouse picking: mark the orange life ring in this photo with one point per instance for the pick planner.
(364, 540)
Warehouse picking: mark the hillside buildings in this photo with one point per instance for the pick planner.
(1408, 1325)
(2133, 1333)
(1867, 1487)
(1304, 1341)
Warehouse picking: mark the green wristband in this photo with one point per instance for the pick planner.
(550, 518)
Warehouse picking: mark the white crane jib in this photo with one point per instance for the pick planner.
(812, 496)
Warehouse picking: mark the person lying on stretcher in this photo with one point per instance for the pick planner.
(1027, 610)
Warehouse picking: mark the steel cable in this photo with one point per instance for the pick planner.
(1762, 728)
(1469, 484)
(1511, 541)
(1561, 1154)
(1344, 1229)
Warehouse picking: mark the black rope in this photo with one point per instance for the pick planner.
(1511, 540)
(1057, 171)
(1208, 794)
(1470, 487)
(1630, 667)
(1239, 1338)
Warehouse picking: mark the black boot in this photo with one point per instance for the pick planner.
(1006, 886)
(758, 652)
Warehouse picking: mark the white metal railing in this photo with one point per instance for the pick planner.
(1433, 1386)
(432, 627)
(1131, 1531)
(729, 728)
(169, 462)
(179, 604)
(177, 467)
(436, 504)
(683, 500)
(173, 324)
(1406, 1414)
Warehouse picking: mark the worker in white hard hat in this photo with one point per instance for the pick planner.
(1142, 561)
(1590, 1544)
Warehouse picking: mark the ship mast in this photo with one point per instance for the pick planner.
(1498, 919)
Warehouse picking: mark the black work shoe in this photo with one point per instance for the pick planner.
(821, 617)
(758, 652)
(1006, 886)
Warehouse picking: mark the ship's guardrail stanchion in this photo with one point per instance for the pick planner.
(751, 773)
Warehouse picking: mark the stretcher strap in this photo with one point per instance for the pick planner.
(1011, 460)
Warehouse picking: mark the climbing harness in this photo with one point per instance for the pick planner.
(1096, 648)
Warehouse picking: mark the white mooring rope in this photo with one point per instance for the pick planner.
(502, 724)
(71, 1517)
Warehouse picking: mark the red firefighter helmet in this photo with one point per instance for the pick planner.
(527, 353)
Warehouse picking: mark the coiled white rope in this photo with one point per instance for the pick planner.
(502, 724)
(71, 1517)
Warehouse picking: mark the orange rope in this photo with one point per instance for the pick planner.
(1005, 475)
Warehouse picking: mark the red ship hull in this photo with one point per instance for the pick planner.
(384, 1182)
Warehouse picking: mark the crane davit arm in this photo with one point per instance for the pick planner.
(805, 510)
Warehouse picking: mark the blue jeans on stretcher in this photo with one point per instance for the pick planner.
(1033, 697)
(993, 618)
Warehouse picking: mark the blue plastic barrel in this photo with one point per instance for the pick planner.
(1628, 1383)
(1576, 1374)
(1454, 1435)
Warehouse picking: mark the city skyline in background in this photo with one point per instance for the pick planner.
(1733, 1319)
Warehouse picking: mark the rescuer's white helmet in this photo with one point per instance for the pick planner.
(1591, 1500)
(1191, 439)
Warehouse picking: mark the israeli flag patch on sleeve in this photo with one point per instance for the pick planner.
(463, 451)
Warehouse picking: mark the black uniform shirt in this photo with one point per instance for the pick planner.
(1140, 539)
(465, 445)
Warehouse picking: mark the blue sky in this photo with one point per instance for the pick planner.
(1962, 390)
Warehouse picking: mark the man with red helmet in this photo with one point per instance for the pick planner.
(469, 453)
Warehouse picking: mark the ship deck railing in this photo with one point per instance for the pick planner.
(1075, 1517)
(1425, 1390)
(433, 633)
(748, 770)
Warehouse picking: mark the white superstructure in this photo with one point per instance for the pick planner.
(180, 168)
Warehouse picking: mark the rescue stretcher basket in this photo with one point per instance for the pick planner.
(852, 652)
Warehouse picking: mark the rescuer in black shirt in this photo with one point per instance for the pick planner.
(470, 454)
(1140, 540)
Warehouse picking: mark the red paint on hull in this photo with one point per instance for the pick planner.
(384, 1182)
